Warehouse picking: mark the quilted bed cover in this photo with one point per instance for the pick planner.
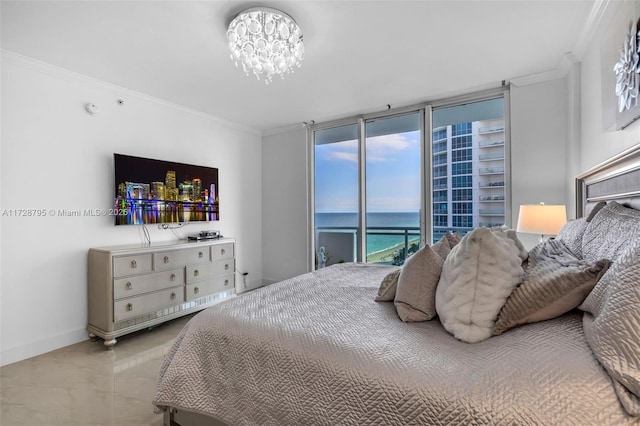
(318, 350)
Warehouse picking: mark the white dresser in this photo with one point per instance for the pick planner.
(137, 286)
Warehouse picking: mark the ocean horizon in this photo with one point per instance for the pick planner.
(375, 243)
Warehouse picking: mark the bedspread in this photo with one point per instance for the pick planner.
(318, 350)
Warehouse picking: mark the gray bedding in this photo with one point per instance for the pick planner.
(318, 350)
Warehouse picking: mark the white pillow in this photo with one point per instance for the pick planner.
(477, 278)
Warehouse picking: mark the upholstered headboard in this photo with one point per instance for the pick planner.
(615, 179)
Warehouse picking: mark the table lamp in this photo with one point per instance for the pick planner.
(541, 219)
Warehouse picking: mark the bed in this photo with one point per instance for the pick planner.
(318, 349)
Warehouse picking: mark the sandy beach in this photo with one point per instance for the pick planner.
(386, 255)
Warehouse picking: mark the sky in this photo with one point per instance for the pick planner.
(392, 170)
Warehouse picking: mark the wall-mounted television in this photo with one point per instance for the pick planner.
(149, 191)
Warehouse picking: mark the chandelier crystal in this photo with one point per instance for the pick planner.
(266, 42)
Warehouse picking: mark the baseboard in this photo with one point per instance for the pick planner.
(39, 347)
(242, 287)
(266, 282)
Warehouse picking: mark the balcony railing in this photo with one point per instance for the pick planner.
(395, 253)
(491, 212)
(489, 144)
(492, 198)
(491, 170)
(491, 129)
(491, 157)
(499, 184)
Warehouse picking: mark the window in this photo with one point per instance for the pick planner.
(477, 170)
(372, 216)
(461, 155)
(371, 182)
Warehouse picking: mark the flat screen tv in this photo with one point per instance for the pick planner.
(151, 191)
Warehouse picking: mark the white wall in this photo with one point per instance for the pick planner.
(285, 242)
(57, 156)
(598, 145)
(538, 132)
(538, 144)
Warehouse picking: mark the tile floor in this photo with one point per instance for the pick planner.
(84, 384)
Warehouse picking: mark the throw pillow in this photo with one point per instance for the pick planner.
(415, 293)
(389, 284)
(445, 244)
(594, 211)
(387, 290)
(556, 283)
(453, 239)
(477, 277)
(611, 325)
(571, 235)
(610, 232)
(510, 234)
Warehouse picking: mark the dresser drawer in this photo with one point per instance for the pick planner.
(166, 260)
(204, 271)
(222, 251)
(213, 285)
(139, 284)
(130, 265)
(134, 306)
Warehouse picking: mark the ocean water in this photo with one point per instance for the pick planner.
(375, 243)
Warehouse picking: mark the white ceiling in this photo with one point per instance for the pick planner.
(360, 55)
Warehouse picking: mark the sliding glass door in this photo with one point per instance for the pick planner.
(368, 190)
(392, 201)
(468, 167)
(385, 184)
(336, 189)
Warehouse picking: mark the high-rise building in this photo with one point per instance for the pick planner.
(186, 191)
(137, 191)
(468, 176)
(158, 191)
(197, 189)
(171, 191)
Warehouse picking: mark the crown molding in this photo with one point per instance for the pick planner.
(283, 129)
(600, 9)
(68, 75)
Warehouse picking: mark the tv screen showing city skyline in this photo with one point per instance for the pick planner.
(154, 191)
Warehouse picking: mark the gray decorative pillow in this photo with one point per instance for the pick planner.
(477, 277)
(610, 232)
(453, 239)
(556, 283)
(387, 290)
(445, 244)
(611, 325)
(571, 235)
(415, 294)
(594, 211)
(389, 284)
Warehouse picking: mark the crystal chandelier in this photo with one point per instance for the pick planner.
(266, 42)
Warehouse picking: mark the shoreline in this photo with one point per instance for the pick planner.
(386, 255)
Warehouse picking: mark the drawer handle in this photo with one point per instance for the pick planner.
(196, 290)
(196, 272)
(134, 264)
(129, 285)
(129, 307)
(173, 296)
(200, 254)
(226, 283)
(172, 277)
(223, 251)
(226, 266)
(166, 259)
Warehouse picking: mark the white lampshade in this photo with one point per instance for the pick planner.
(541, 219)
